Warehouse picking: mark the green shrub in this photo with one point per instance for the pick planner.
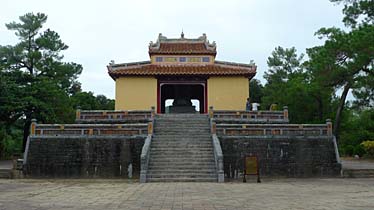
(359, 150)
(368, 147)
(11, 143)
(348, 150)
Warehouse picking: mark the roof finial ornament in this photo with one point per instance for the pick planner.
(182, 34)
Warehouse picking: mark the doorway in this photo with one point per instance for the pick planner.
(181, 97)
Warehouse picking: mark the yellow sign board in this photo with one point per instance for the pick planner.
(251, 167)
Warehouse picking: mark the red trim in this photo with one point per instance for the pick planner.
(206, 97)
(158, 97)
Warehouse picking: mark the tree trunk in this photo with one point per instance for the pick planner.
(340, 110)
(26, 132)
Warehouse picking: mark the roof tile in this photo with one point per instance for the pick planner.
(182, 69)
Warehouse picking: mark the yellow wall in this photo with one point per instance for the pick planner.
(228, 93)
(136, 93)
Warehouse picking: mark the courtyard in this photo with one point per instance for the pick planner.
(329, 193)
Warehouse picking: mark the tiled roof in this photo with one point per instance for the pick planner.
(182, 46)
(183, 49)
(217, 69)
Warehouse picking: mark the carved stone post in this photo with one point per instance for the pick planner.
(329, 127)
(214, 128)
(33, 127)
(285, 112)
(78, 113)
(211, 112)
(153, 111)
(150, 128)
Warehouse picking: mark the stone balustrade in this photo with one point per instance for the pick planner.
(89, 129)
(107, 116)
(256, 116)
(274, 129)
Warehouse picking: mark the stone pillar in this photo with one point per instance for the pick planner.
(285, 113)
(329, 127)
(33, 127)
(153, 111)
(211, 112)
(214, 128)
(150, 128)
(78, 114)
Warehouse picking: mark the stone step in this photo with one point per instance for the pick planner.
(5, 173)
(153, 171)
(179, 150)
(180, 162)
(190, 137)
(181, 116)
(182, 167)
(181, 179)
(181, 143)
(187, 175)
(182, 128)
(180, 156)
(161, 136)
(181, 146)
(182, 159)
(185, 147)
(358, 173)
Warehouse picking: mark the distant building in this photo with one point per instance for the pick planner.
(181, 69)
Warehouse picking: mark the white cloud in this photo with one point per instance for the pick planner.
(99, 31)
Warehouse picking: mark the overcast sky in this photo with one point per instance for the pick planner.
(100, 31)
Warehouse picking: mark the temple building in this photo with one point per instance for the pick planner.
(182, 76)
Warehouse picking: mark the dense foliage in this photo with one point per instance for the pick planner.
(35, 82)
(317, 88)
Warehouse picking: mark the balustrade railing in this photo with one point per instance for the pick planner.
(281, 116)
(275, 129)
(89, 129)
(113, 115)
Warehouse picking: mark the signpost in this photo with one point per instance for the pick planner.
(251, 167)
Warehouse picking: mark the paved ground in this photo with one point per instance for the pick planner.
(117, 194)
(6, 164)
(351, 163)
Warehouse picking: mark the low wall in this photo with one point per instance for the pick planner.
(281, 155)
(83, 156)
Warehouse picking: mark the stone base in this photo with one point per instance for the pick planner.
(281, 156)
(83, 157)
(182, 109)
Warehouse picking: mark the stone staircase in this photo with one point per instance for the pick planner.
(5, 173)
(181, 149)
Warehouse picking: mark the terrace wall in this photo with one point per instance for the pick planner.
(290, 156)
(83, 156)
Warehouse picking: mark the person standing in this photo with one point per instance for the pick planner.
(248, 105)
(255, 106)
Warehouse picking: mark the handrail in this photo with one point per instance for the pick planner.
(218, 155)
(337, 156)
(87, 129)
(275, 129)
(251, 115)
(112, 115)
(144, 157)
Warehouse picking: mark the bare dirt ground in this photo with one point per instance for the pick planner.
(330, 193)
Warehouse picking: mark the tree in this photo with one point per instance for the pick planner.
(87, 101)
(357, 12)
(346, 61)
(256, 90)
(35, 67)
(291, 83)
